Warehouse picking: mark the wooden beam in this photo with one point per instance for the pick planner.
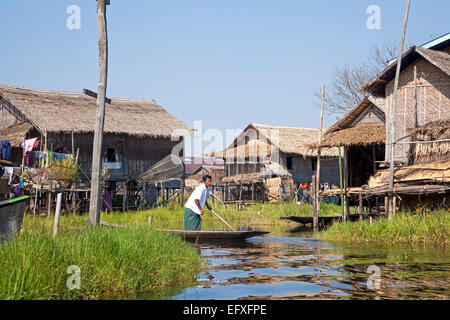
(94, 95)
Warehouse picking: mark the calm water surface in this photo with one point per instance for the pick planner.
(290, 264)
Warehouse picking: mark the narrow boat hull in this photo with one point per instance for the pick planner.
(216, 235)
(11, 215)
(326, 220)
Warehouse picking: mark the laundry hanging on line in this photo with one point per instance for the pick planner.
(30, 144)
(6, 149)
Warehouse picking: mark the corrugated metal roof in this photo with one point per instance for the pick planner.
(429, 45)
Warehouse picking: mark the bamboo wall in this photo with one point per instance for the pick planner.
(433, 102)
(301, 173)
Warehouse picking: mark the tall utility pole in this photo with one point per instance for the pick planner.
(95, 204)
(316, 196)
(393, 111)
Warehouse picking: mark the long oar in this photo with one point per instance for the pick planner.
(223, 221)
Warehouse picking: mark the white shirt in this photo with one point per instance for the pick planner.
(201, 193)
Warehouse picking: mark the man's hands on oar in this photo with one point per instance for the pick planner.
(202, 212)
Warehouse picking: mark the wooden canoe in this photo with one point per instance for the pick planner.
(11, 215)
(326, 220)
(215, 235)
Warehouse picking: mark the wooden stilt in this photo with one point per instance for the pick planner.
(341, 178)
(124, 195)
(314, 195)
(394, 205)
(253, 192)
(49, 203)
(183, 189)
(360, 207)
(346, 184)
(57, 214)
(386, 206)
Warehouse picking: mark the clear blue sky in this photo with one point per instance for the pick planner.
(227, 63)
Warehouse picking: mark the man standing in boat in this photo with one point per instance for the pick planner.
(194, 206)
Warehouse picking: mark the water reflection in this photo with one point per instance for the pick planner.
(292, 265)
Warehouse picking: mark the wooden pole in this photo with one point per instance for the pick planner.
(394, 107)
(124, 195)
(317, 198)
(253, 192)
(346, 185)
(95, 201)
(411, 147)
(73, 145)
(313, 194)
(57, 214)
(49, 201)
(374, 159)
(415, 98)
(221, 219)
(35, 199)
(386, 206)
(340, 180)
(183, 189)
(360, 205)
(23, 158)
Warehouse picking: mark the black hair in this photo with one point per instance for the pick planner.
(205, 177)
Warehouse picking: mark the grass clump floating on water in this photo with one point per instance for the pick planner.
(112, 262)
(431, 228)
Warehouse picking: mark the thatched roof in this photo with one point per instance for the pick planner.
(362, 135)
(15, 133)
(292, 140)
(253, 149)
(271, 169)
(245, 178)
(439, 59)
(289, 140)
(64, 112)
(435, 172)
(377, 105)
